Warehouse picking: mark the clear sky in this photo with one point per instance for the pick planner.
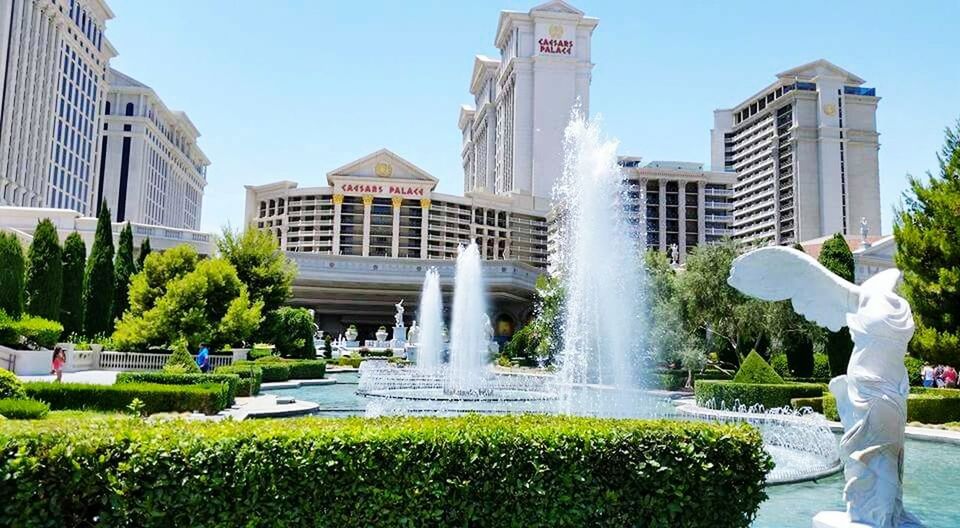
(286, 89)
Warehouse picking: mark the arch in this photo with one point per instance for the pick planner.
(129, 109)
(106, 108)
(504, 325)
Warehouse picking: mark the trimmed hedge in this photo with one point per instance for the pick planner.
(20, 409)
(350, 361)
(929, 406)
(207, 399)
(480, 471)
(278, 369)
(768, 395)
(35, 331)
(675, 379)
(10, 385)
(165, 378)
(308, 369)
(755, 370)
(815, 404)
(251, 377)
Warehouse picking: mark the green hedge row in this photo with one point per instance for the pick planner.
(768, 395)
(22, 409)
(36, 331)
(208, 399)
(478, 471)
(929, 406)
(251, 376)
(349, 361)
(277, 369)
(672, 379)
(166, 378)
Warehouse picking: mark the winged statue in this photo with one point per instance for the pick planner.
(872, 396)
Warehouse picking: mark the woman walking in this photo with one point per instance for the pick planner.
(59, 360)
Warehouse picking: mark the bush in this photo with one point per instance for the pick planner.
(163, 378)
(755, 370)
(251, 377)
(21, 409)
(258, 352)
(562, 471)
(272, 371)
(291, 332)
(928, 406)
(307, 369)
(768, 395)
(180, 358)
(815, 404)
(914, 367)
(821, 366)
(10, 386)
(349, 361)
(156, 398)
(12, 271)
(780, 365)
(39, 332)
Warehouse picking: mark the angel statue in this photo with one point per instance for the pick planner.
(872, 396)
(398, 317)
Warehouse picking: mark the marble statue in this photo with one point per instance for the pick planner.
(872, 396)
(398, 317)
(413, 336)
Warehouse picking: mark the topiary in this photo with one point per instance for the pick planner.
(780, 365)
(821, 366)
(10, 386)
(755, 370)
(180, 357)
(71, 298)
(98, 281)
(44, 278)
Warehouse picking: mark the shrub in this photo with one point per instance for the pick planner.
(562, 471)
(71, 298)
(206, 398)
(780, 365)
(250, 378)
(354, 362)
(98, 278)
(815, 404)
(914, 367)
(44, 280)
(12, 266)
(164, 378)
(258, 352)
(260, 264)
(180, 357)
(821, 366)
(22, 409)
(929, 406)
(768, 395)
(307, 369)
(755, 370)
(10, 385)
(272, 370)
(39, 332)
(291, 332)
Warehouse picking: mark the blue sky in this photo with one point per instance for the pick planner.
(302, 87)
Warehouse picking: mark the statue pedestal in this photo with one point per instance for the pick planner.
(399, 336)
(838, 519)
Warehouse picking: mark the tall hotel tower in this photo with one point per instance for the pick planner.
(805, 153)
(514, 132)
(53, 65)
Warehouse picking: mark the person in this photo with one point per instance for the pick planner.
(949, 377)
(928, 375)
(59, 360)
(203, 359)
(938, 376)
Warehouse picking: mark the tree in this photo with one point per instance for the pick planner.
(71, 298)
(144, 251)
(291, 331)
(123, 269)
(835, 255)
(541, 336)
(158, 272)
(44, 281)
(260, 264)
(927, 231)
(206, 305)
(98, 280)
(11, 275)
(794, 335)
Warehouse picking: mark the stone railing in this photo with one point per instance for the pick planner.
(112, 360)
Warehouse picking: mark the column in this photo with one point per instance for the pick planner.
(395, 248)
(682, 221)
(701, 211)
(424, 224)
(367, 202)
(337, 208)
(642, 212)
(663, 216)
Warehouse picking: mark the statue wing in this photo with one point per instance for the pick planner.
(780, 273)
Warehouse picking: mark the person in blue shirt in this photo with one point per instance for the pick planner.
(203, 359)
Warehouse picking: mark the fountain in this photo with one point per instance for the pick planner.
(468, 344)
(430, 339)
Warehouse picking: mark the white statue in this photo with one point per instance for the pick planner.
(864, 231)
(413, 336)
(872, 396)
(398, 318)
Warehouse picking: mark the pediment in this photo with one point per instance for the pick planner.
(818, 68)
(557, 6)
(381, 165)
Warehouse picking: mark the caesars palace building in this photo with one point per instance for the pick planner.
(364, 238)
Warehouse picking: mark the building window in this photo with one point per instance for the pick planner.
(129, 109)
(106, 108)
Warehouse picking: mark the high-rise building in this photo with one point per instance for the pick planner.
(53, 63)
(522, 102)
(152, 170)
(805, 153)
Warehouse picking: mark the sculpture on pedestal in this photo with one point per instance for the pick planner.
(872, 396)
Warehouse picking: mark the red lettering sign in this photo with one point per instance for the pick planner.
(556, 46)
(394, 190)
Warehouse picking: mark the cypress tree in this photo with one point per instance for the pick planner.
(71, 300)
(11, 275)
(836, 256)
(44, 281)
(123, 269)
(98, 279)
(144, 251)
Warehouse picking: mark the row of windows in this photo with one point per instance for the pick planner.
(87, 24)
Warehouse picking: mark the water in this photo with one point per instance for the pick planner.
(430, 347)
(469, 359)
(599, 262)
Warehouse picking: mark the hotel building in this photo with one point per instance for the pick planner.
(152, 171)
(53, 65)
(805, 153)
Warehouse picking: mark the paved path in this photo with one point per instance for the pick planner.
(99, 377)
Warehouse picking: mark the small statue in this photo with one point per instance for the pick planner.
(864, 231)
(398, 318)
(673, 253)
(413, 335)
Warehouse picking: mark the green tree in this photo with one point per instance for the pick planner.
(158, 272)
(835, 255)
(98, 280)
(123, 269)
(71, 298)
(44, 281)
(541, 336)
(144, 251)
(291, 331)
(11, 275)
(927, 231)
(180, 359)
(260, 264)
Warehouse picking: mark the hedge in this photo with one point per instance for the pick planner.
(207, 399)
(36, 331)
(674, 379)
(21, 409)
(929, 406)
(345, 361)
(308, 369)
(768, 395)
(251, 377)
(165, 378)
(480, 471)
(278, 369)
(10, 385)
